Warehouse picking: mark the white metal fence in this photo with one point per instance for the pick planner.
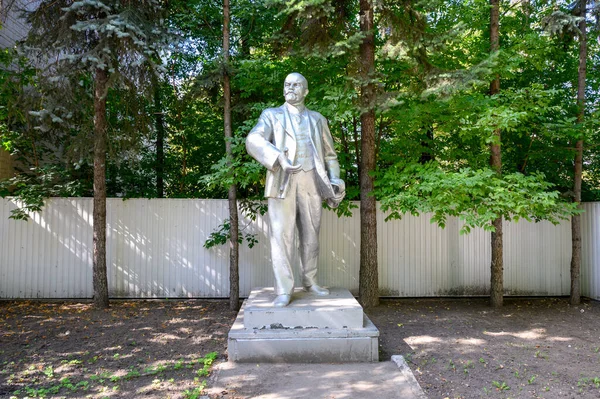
(155, 249)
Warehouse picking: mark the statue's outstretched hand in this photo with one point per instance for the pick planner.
(287, 166)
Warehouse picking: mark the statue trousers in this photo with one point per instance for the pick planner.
(301, 208)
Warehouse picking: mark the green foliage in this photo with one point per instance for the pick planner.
(223, 234)
(32, 189)
(123, 38)
(432, 72)
(250, 209)
(501, 386)
(477, 197)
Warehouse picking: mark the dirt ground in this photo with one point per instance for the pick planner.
(462, 348)
(458, 348)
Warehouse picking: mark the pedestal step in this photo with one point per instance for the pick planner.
(292, 334)
(339, 309)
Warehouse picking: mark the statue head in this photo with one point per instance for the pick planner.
(295, 89)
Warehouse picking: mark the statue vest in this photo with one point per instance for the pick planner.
(304, 148)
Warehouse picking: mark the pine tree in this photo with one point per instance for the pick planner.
(368, 274)
(117, 43)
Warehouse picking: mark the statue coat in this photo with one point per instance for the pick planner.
(273, 135)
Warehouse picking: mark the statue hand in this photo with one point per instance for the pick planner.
(287, 166)
(339, 192)
(339, 183)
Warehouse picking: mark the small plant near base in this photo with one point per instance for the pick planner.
(501, 386)
(97, 381)
(585, 382)
(451, 365)
(178, 365)
(194, 393)
(49, 372)
(468, 365)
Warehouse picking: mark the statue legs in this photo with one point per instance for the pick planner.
(301, 208)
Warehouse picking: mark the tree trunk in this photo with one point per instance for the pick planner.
(575, 296)
(160, 140)
(368, 275)
(100, 280)
(234, 276)
(497, 266)
(427, 146)
(356, 144)
(344, 137)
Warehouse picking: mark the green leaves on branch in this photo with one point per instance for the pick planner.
(32, 189)
(477, 197)
(223, 234)
(241, 170)
(250, 209)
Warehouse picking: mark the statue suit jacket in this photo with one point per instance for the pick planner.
(273, 135)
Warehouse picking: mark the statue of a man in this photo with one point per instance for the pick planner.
(295, 145)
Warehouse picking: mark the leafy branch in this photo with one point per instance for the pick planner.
(475, 196)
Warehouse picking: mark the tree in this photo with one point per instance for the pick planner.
(575, 296)
(467, 121)
(110, 40)
(368, 274)
(497, 266)
(234, 275)
(160, 138)
(100, 280)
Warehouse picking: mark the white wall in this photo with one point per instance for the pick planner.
(155, 249)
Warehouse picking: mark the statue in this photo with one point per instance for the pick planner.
(295, 145)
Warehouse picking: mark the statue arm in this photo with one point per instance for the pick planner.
(331, 161)
(333, 167)
(259, 145)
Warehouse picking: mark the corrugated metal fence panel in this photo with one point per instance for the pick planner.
(255, 263)
(48, 256)
(471, 275)
(537, 258)
(413, 256)
(590, 268)
(155, 249)
(339, 245)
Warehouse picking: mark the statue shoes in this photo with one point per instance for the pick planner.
(317, 289)
(282, 300)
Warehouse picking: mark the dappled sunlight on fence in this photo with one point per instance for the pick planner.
(155, 250)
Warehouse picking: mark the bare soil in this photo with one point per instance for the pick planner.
(135, 349)
(457, 348)
(462, 348)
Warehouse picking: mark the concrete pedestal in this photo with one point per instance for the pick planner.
(311, 329)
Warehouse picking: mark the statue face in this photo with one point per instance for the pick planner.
(294, 89)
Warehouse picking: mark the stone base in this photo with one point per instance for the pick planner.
(339, 309)
(311, 329)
